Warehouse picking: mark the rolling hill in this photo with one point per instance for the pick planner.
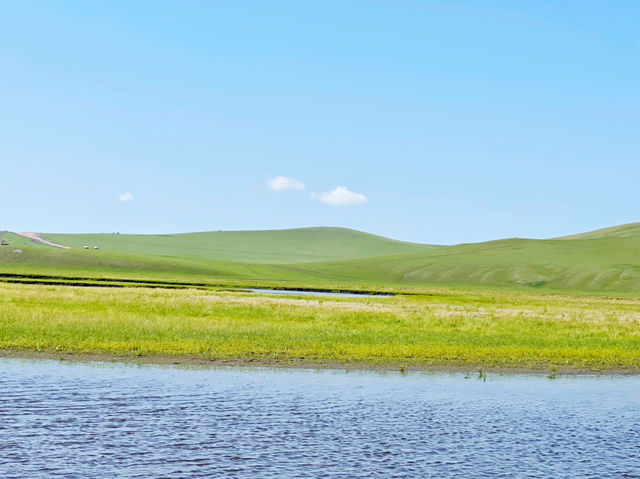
(621, 231)
(602, 261)
(607, 264)
(262, 247)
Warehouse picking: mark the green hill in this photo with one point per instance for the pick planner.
(622, 231)
(247, 255)
(600, 264)
(602, 261)
(273, 246)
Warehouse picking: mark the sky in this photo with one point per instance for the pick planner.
(430, 121)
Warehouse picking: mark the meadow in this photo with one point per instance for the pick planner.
(564, 304)
(599, 262)
(437, 329)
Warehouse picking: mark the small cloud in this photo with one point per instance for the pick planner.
(284, 183)
(125, 197)
(341, 196)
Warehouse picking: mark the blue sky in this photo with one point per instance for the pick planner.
(451, 121)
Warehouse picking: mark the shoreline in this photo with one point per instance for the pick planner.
(163, 360)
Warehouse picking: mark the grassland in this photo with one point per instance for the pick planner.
(437, 329)
(600, 262)
(565, 304)
(261, 247)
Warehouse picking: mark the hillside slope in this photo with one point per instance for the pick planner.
(628, 230)
(272, 246)
(603, 261)
(607, 263)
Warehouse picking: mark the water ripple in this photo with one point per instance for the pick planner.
(94, 421)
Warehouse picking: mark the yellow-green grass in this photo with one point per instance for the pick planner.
(442, 329)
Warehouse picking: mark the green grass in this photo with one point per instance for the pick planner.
(439, 329)
(607, 264)
(603, 262)
(620, 231)
(274, 246)
(502, 308)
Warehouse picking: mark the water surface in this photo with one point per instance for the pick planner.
(297, 292)
(93, 420)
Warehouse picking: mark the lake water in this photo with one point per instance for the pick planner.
(94, 420)
(294, 292)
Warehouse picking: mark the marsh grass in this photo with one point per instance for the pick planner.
(443, 328)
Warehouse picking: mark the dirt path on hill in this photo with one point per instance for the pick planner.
(39, 239)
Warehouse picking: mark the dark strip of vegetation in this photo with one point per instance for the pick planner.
(94, 285)
(99, 279)
(124, 282)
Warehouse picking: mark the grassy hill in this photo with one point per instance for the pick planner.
(602, 261)
(593, 265)
(629, 230)
(262, 247)
(247, 255)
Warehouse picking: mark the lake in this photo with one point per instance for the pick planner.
(97, 420)
(298, 292)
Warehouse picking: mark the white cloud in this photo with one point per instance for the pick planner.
(341, 196)
(125, 196)
(283, 183)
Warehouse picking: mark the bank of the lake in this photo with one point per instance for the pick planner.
(451, 330)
